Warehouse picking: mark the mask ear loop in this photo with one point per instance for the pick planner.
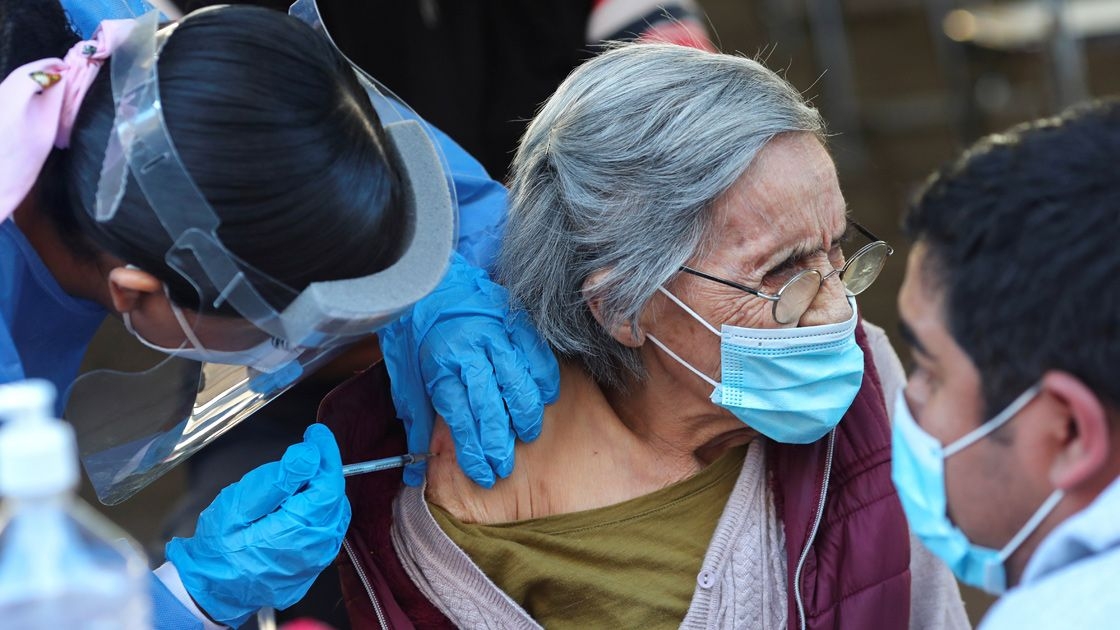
(279, 356)
(666, 350)
(669, 352)
(183, 323)
(1036, 519)
(688, 310)
(179, 317)
(1001, 419)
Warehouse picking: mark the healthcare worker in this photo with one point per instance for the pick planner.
(1006, 449)
(225, 231)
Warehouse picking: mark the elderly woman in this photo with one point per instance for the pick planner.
(676, 226)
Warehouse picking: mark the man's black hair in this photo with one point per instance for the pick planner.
(1022, 236)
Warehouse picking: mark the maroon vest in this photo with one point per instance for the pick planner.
(360, 412)
(856, 570)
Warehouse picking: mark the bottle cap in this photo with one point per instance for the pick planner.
(38, 453)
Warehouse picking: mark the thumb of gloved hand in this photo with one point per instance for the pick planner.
(263, 489)
(267, 537)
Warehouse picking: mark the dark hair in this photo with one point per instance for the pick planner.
(1022, 237)
(31, 31)
(279, 137)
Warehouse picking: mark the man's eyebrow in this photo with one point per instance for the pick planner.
(911, 339)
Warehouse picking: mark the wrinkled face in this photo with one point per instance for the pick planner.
(991, 488)
(784, 214)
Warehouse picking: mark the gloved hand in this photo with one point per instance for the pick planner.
(266, 538)
(486, 371)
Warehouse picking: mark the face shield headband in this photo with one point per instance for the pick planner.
(133, 426)
(323, 314)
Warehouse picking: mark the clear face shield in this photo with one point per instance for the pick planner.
(134, 425)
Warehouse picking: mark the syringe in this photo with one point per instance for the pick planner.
(386, 463)
(266, 617)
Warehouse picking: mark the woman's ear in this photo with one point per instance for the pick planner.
(128, 286)
(1082, 431)
(623, 333)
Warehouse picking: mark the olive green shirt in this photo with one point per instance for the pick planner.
(629, 565)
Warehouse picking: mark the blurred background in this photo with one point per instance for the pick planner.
(904, 85)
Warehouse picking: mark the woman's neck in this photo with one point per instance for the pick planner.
(79, 276)
(590, 454)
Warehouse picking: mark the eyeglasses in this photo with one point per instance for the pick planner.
(795, 296)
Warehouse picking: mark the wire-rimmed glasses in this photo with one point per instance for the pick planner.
(795, 296)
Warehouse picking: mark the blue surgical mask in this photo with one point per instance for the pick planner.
(792, 385)
(918, 472)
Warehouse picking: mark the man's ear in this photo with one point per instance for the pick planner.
(623, 333)
(129, 286)
(1082, 431)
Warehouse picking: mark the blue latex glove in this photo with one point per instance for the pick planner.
(266, 538)
(486, 371)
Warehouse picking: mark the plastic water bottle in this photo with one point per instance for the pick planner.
(62, 565)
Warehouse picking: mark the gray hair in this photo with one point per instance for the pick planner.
(617, 173)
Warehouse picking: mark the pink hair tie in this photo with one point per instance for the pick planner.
(39, 102)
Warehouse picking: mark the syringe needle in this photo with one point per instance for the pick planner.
(386, 463)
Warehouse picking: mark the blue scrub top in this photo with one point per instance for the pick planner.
(43, 331)
(482, 203)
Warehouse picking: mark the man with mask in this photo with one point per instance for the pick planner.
(1005, 440)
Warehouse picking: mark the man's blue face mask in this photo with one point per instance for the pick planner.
(792, 385)
(918, 472)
